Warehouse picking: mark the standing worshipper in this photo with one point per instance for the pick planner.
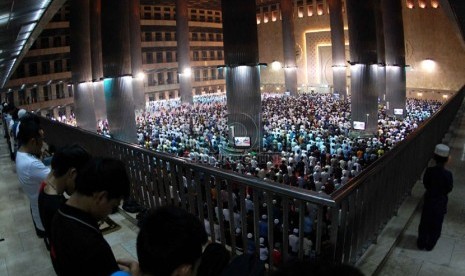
(77, 244)
(30, 168)
(66, 164)
(438, 183)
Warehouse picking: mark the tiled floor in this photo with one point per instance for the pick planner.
(397, 254)
(22, 253)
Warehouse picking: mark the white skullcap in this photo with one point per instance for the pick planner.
(21, 113)
(296, 231)
(249, 235)
(442, 150)
(276, 221)
(264, 217)
(262, 241)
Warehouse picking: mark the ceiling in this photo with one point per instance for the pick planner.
(21, 22)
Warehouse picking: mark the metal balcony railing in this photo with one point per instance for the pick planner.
(344, 223)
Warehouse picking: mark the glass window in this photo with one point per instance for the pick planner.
(148, 36)
(205, 74)
(159, 57)
(44, 42)
(169, 79)
(57, 41)
(169, 57)
(160, 78)
(58, 66)
(213, 74)
(33, 69)
(149, 57)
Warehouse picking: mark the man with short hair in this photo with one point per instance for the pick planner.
(67, 162)
(77, 244)
(30, 169)
(170, 242)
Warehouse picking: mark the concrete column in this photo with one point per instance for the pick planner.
(290, 66)
(68, 111)
(183, 50)
(82, 66)
(55, 113)
(363, 57)
(338, 48)
(96, 54)
(40, 93)
(395, 56)
(381, 70)
(242, 71)
(15, 97)
(118, 83)
(136, 54)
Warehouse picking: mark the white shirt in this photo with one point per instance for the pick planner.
(31, 172)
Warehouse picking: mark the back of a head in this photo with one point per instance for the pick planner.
(103, 174)
(28, 129)
(21, 113)
(67, 157)
(215, 258)
(169, 237)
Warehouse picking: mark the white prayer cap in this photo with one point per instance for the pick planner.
(442, 150)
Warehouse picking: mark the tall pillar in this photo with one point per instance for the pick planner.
(40, 94)
(81, 74)
(183, 51)
(290, 66)
(395, 56)
(117, 70)
(136, 54)
(68, 112)
(96, 54)
(55, 113)
(363, 59)
(338, 47)
(381, 70)
(242, 70)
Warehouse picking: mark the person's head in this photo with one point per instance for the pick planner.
(67, 162)
(215, 258)
(441, 153)
(31, 135)
(106, 182)
(170, 242)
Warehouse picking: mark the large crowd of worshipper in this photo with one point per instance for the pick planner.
(310, 133)
(308, 136)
